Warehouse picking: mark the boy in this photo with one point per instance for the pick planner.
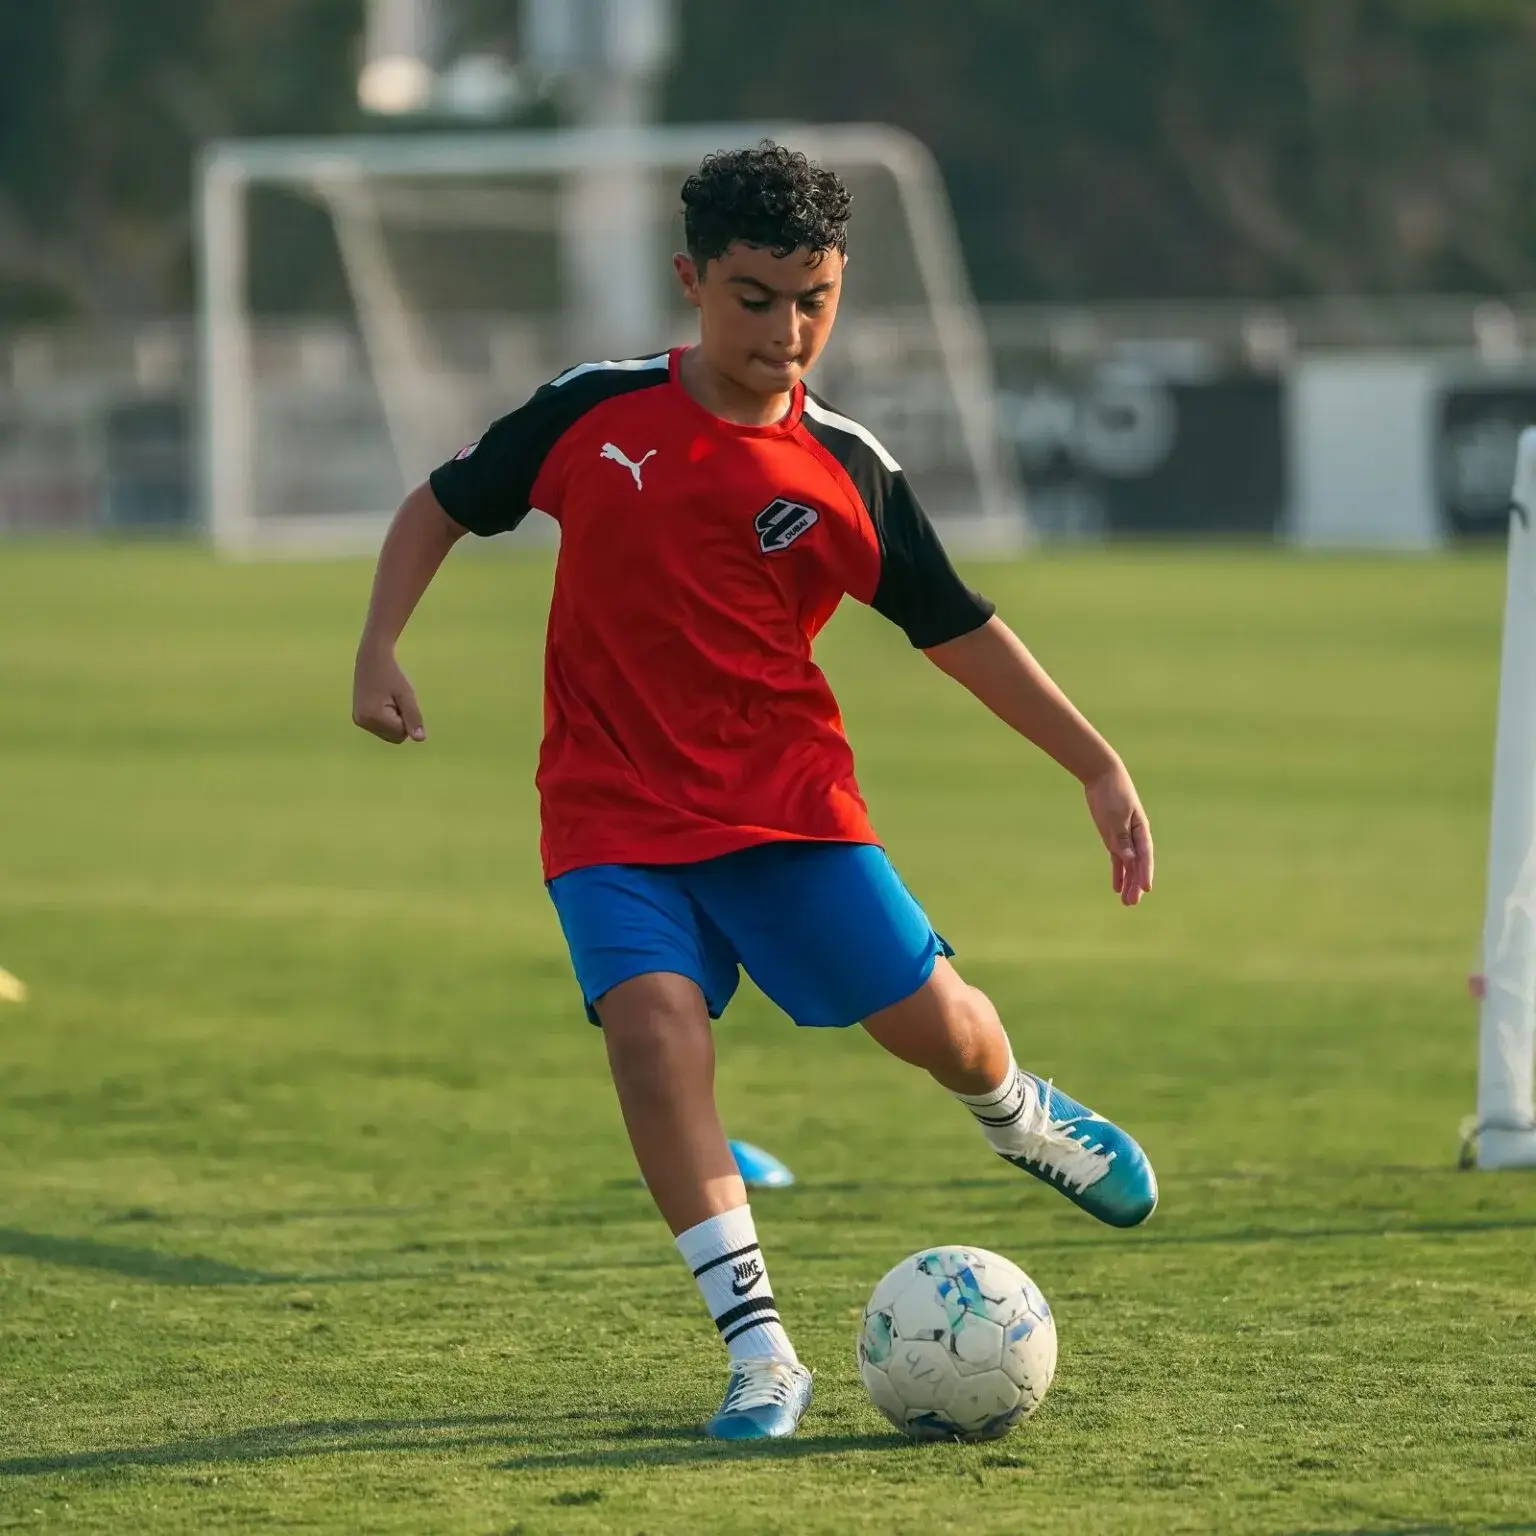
(700, 811)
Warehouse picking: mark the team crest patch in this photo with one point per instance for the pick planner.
(781, 522)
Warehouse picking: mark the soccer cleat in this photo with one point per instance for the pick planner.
(1089, 1159)
(764, 1400)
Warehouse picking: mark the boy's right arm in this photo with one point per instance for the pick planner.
(418, 542)
(486, 488)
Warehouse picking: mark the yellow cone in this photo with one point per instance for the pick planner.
(12, 988)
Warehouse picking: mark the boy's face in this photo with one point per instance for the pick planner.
(763, 319)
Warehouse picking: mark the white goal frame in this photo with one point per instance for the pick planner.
(1503, 1135)
(336, 167)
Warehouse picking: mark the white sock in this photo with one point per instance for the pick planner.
(1003, 1111)
(726, 1261)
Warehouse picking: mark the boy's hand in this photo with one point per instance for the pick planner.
(1117, 813)
(383, 700)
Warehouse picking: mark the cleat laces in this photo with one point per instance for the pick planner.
(1066, 1148)
(759, 1383)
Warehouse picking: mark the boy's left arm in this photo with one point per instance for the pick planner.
(995, 665)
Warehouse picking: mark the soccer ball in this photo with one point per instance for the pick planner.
(957, 1344)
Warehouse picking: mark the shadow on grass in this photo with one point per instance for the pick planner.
(1525, 1528)
(267, 1442)
(1260, 1234)
(149, 1215)
(674, 1447)
(137, 1263)
(193, 1269)
(196, 1270)
(635, 1445)
(1284, 1178)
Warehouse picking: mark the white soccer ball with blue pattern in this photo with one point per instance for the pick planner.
(957, 1344)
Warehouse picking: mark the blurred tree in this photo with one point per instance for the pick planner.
(1093, 148)
(102, 108)
(1139, 148)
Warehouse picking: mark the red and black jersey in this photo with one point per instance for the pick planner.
(683, 715)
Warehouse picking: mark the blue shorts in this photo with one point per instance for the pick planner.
(826, 930)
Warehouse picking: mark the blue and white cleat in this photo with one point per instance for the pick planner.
(764, 1400)
(1087, 1158)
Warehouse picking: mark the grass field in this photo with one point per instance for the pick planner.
(315, 1209)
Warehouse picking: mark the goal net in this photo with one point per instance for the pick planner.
(1503, 1134)
(370, 304)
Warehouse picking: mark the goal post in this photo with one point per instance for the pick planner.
(444, 276)
(1504, 1133)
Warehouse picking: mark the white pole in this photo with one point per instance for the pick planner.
(612, 237)
(610, 55)
(1506, 1117)
(400, 47)
(1004, 525)
(416, 392)
(227, 390)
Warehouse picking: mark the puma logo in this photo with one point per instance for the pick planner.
(617, 454)
(748, 1273)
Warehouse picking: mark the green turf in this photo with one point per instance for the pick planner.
(315, 1208)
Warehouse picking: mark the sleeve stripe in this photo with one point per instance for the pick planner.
(818, 412)
(628, 365)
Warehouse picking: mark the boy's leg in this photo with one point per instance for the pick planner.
(832, 935)
(952, 1031)
(652, 970)
(661, 1052)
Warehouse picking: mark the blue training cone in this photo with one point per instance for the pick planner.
(759, 1169)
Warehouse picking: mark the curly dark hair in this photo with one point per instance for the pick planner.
(768, 196)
